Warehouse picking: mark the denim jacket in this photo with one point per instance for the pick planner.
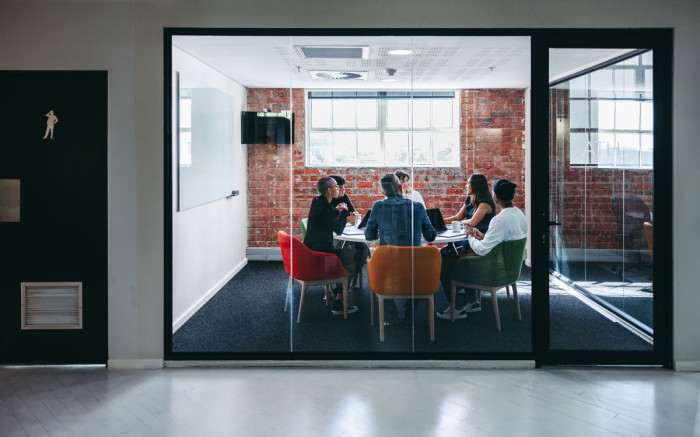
(394, 218)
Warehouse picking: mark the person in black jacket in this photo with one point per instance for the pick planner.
(361, 249)
(324, 220)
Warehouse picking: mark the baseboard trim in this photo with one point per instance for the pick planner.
(687, 366)
(135, 364)
(364, 364)
(177, 323)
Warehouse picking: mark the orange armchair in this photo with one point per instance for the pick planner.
(311, 268)
(390, 277)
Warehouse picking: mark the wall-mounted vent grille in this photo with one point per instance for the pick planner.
(52, 305)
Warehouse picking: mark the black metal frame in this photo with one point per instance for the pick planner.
(658, 39)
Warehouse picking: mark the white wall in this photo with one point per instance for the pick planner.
(129, 43)
(209, 240)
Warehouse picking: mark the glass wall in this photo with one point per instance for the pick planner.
(440, 109)
(601, 203)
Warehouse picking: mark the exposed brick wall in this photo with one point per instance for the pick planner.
(492, 126)
(584, 200)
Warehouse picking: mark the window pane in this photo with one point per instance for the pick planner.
(627, 116)
(345, 148)
(647, 116)
(344, 113)
(396, 148)
(581, 150)
(607, 153)
(578, 87)
(321, 114)
(601, 83)
(606, 114)
(319, 148)
(446, 149)
(369, 148)
(442, 113)
(578, 114)
(421, 148)
(421, 113)
(629, 148)
(397, 114)
(366, 114)
(647, 150)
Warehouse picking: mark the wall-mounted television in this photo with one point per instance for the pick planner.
(267, 127)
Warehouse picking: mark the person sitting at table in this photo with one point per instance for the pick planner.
(361, 249)
(510, 224)
(406, 189)
(398, 222)
(478, 208)
(324, 220)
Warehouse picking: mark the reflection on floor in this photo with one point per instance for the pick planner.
(628, 287)
(247, 316)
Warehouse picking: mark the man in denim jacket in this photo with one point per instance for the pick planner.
(398, 222)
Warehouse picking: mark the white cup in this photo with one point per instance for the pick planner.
(456, 226)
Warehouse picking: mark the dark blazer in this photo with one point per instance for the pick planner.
(323, 221)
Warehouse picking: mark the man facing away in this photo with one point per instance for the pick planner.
(398, 221)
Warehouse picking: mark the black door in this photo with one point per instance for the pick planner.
(53, 227)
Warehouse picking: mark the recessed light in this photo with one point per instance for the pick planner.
(399, 52)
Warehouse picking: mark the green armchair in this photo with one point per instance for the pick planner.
(497, 269)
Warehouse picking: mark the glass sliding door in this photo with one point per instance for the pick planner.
(602, 143)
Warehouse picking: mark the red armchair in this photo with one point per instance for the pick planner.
(311, 268)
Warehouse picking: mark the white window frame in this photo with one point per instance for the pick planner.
(382, 129)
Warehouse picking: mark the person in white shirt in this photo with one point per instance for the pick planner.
(510, 224)
(406, 188)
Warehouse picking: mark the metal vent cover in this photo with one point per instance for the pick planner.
(338, 75)
(334, 52)
(52, 305)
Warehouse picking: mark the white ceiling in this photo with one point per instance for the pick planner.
(436, 62)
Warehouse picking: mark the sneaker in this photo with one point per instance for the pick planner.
(460, 313)
(338, 308)
(472, 307)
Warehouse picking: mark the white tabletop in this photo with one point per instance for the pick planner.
(358, 236)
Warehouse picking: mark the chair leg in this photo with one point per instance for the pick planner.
(517, 303)
(381, 317)
(301, 300)
(328, 291)
(371, 306)
(494, 299)
(431, 317)
(345, 299)
(508, 291)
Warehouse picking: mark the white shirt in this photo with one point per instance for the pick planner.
(416, 197)
(510, 224)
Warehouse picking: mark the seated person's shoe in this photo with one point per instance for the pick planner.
(338, 308)
(460, 313)
(472, 307)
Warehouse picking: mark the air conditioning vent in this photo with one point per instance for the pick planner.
(338, 75)
(52, 305)
(334, 52)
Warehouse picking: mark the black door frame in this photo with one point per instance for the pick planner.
(661, 42)
(658, 39)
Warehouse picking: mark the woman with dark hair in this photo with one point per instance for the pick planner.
(478, 208)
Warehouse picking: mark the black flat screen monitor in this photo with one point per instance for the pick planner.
(267, 127)
(365, 219)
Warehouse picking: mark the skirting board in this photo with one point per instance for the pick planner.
(366, 364)
(687, 366)
(263, 254)
(136, 364)
(177, 323)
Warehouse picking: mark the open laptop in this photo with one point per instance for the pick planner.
(435, 217)
(438, 222)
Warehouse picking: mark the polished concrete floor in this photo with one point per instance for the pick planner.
(84, 401)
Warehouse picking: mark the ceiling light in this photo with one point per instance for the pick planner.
(399, 52)
(334, 52)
